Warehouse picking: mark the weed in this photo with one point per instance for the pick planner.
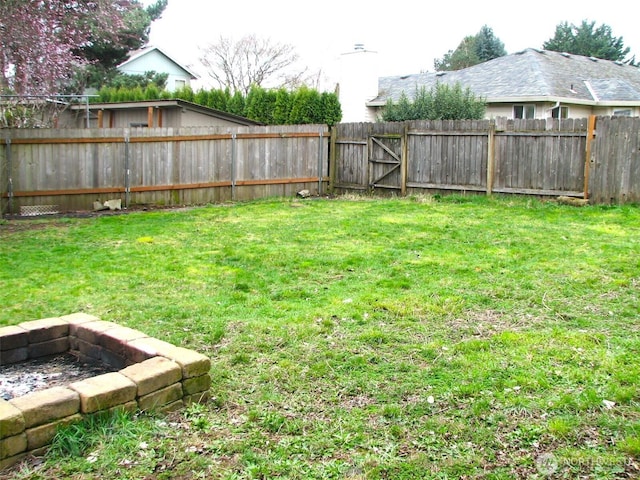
(631, 446)
(196, 414)
(561, 426)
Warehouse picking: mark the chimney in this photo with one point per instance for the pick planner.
(358, 83)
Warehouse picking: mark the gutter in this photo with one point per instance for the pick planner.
(541, 99)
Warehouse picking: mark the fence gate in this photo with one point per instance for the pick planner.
(386, 162)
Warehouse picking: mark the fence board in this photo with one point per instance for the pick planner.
(615, 161)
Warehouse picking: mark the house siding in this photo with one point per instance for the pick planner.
(609, 111)
(156, 61)
(542, 110)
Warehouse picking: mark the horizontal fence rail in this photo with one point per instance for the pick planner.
(74, 168)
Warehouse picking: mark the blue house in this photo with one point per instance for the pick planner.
(153, 59)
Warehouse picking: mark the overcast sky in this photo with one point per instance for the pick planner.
(408, 36)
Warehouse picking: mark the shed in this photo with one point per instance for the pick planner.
(153, 113)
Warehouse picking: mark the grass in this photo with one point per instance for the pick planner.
(454, 337)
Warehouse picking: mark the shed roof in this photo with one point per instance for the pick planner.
(170, 103)
(532, 75)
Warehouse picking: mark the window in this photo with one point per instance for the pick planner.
(622, 113)
(524, 111)
(560, 112)
(180, 84)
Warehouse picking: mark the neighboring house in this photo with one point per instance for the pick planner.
(153, 59)
(152, 113)
(534, 84)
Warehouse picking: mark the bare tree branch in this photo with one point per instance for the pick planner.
(250, 61)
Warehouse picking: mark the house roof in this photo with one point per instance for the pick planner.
(530, 75)
(146, 50)
(170, 103)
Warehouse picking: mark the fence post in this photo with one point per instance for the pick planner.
(234, 140)
(127, 172)
(591, 133)
(403, 161)
(320, 150)
(491, 156)
(368, 148)
(9, 177)
(332, 159)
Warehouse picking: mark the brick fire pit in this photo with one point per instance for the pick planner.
(153, 376)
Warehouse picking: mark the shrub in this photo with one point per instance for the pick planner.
(271, 107)
(441, 102)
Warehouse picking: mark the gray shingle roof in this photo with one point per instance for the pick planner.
(531, 74)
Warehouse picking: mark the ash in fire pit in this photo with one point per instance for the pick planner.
(18, 379)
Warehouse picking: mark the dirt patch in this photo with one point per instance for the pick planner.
(7, 227)
(18, 223)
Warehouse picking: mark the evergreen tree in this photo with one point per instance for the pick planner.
(306, 107)
(219, 99)
(155, 10)
(104, 52)
(331, 110)
(237, 104)
(260, 105)
(282, 107)
(487, 45)
(271, 107)
(201, 97)
(462, 57)
(473, 49)
(585, 39)
(184, 93)
(151, 93)
(404, 109)
(106, 95)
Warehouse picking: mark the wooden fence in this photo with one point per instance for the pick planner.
(596, 158)
(70, 169)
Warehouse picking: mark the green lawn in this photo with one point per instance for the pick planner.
(460, 337)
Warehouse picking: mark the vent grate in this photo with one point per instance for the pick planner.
(35, 210)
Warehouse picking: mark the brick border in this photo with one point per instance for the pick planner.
(153, 376)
